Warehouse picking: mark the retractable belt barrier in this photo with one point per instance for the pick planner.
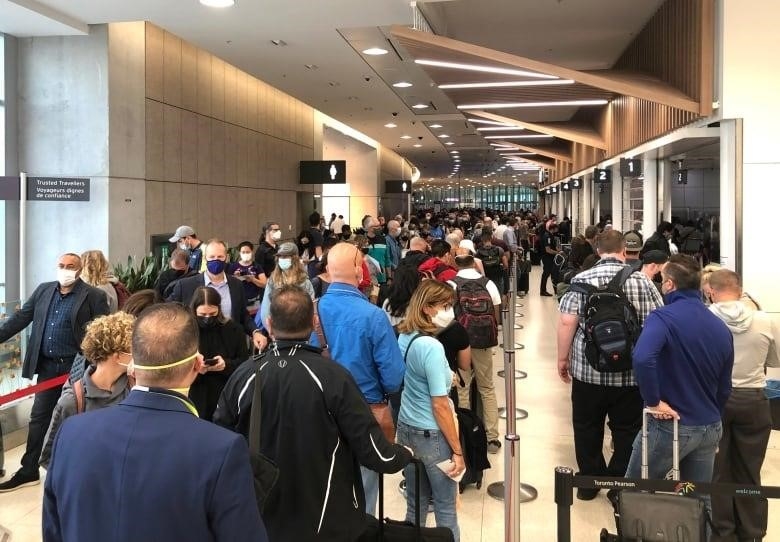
(32, 390)
(566, 481)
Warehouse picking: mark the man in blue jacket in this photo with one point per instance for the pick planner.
(682, 363)
(149, 468)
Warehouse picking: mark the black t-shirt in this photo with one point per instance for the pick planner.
(454, 338)
(265, 258)
(315, 240)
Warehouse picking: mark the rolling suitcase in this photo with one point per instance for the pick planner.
(661, 517)
(473, 442)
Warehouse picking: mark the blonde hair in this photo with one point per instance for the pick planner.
(108, 335)
(428, 294)
(94, 268)
(295, 276)
(707, 272)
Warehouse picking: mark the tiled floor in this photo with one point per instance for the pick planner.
(546, 442)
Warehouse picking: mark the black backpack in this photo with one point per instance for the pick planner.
(611, 324)
(474, 310)
(491, 260)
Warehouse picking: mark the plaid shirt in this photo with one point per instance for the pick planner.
(639, 290)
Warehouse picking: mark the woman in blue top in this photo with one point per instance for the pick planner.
(426, 421)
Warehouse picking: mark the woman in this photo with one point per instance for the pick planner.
(95, 272)
(426, 421)
(321, 282)
(106, 345)
(405, 282)
(289, 271)
(706, 291)
(246, 270)
(223, 346)
(265, 256)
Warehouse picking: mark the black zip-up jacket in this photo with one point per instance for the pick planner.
(318, 429)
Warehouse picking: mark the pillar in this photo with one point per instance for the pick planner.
(649, 197)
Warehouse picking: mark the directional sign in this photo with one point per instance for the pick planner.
(57, 189)
(398, 187)
(602, 176)
(630, 167)
(566, 186)
(682, 176)
(323, 172)
(575, 183)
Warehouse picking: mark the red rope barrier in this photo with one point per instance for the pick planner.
(30, 390)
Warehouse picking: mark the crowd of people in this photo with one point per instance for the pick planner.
(262, 399)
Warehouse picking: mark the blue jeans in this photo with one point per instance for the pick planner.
(430, 447)
(371, 489)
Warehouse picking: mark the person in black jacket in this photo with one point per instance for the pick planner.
(315, 425)
(223, 345)
(659, 240)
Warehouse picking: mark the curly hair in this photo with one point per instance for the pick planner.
(95, 268)
(108, 335)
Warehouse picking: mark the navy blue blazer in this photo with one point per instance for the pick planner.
(148, 469)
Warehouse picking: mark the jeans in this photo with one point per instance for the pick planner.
(430, 447)
(371, 489)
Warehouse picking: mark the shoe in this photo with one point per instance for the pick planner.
(586, 494)
(494, 446)
(545, 294)
(402, 487)
(20, 480)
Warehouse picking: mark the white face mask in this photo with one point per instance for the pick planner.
(184, 246)
(443, 318)
(276, 235)
(66, 277)
(285, 263)
(246, 256)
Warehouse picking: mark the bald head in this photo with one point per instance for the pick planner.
(345, 264)
(418, 243)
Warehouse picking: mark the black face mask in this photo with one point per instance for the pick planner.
(364, 250)
(207, 322)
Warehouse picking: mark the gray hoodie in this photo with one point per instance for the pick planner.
(94, 399)
(756, 342)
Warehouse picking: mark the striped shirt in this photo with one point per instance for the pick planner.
(639, 290)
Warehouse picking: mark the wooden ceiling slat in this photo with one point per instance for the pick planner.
(553, 152)
(563, 131)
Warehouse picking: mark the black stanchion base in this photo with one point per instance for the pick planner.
(518, 374)
(528, 492)
(520, 414)
(518, 346)
(518, 326)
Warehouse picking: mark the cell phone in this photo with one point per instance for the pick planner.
(210, 362)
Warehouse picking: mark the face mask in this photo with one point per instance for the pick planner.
(215, 267)
(66, 277)
(443, 318)
(276, 235)
(246, 256)
(206, 322)
(184, 246)
(166, 366)
(285, 263)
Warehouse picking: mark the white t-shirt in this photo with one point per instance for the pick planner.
(474, 274)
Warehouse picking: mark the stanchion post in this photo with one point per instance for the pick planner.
(564, 499)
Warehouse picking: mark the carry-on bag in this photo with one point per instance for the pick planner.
(388, 530)
(661, 517)
(473, 442)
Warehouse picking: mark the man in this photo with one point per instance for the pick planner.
(359, 337)
(597, 395)
(331, 221)
(393, 248)
(231, 290)
(315, 237)
(440, 265)
(265, 255)
(481, 355)
(59, 312)
(494, 261)
(377, 247)
(633, 247)
(683, 372)
(336, 430)
(149, 468)
(660, 239)
(549, 251)
(652, 263)
(417, 253)
(186, 240)
(178, 268)
(747, 421)
(337, 224)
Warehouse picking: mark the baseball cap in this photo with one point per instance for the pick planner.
(654, 256)
(633, 242)
(287, 249)
(468, 244)
(181, 232)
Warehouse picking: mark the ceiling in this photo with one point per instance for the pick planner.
(322, 63)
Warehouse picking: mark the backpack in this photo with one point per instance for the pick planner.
(473, 442)
(491, 260)
(474, 310)
(122, 294)
(611, 325)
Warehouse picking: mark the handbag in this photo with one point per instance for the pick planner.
(264, 470)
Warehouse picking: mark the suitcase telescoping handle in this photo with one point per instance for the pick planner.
(418, 467)
(675, 446)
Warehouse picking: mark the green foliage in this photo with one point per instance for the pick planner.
(139, 275)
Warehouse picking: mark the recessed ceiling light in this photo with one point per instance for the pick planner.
(402, 84)
(503, 84)
(417, 145)
(565, 103)
(454, 152)
(450, 143)
(420, 106)
(484, 69)
(390, 125)
(406, 136)
(517, 137)
(498, 128)
(279, 43)
(443, 136)
(435, 126)
(218, 3)
(375, 51)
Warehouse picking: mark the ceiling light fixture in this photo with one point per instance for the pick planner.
(565, 103)
(517, 136)
(498, 128)
(402, 84)
(505, 84)
(417, 145)
(406, 136)
(435, 126)
(450, 143)
(443, 136)
(420, 106)
(375, 51)
(482, 121)
(218, 3)
(483, 69)
(454, 152)
(390, 125)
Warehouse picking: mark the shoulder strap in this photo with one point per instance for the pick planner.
(78, 391)
(582, 288)
(620, 278)
(409, 346)
(319, 329)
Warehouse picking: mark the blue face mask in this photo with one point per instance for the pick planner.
(215, 267)
(285, 263)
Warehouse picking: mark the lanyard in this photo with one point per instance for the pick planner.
(170, 393)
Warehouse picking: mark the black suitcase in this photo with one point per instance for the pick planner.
(523, 282)
(536, 257)
(473, 442)
(388, 530)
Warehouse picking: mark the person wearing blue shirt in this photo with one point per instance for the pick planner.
(426, 422)
(360, 338)
(684, 372)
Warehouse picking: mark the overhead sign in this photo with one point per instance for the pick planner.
(9, 188)
(57, 189)
(682, 176)
(548, 192)
(602, 176)
(398, 187)
(566, 186)
(575, 183)
(555, 189)
(323, 171)
(630, 167)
